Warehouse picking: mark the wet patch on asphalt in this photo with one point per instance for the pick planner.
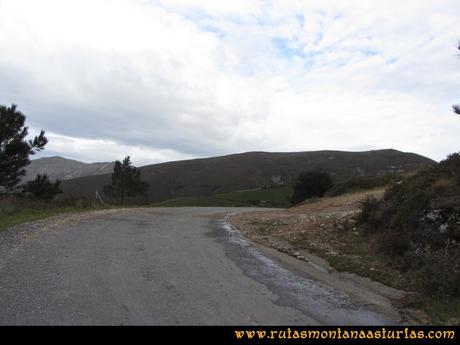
(325, 304)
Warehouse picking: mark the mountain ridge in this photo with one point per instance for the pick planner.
(61, 168)
(208, 176)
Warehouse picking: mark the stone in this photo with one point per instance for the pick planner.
(443, 228)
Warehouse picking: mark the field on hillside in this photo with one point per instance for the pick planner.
(269, 197)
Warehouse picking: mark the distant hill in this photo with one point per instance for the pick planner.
(65, 169)
(208, 176)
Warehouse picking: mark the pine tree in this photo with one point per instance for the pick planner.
(14, 148)
(125, 181)
(42, 188)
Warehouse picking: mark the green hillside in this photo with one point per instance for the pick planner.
(269, 197)
(219, 175)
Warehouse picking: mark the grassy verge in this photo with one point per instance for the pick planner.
(359, 256)
(269, 197)
(32, 214)
(443, 312)
(15, 211)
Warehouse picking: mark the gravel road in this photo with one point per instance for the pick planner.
(165, 266)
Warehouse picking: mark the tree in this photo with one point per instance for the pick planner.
(456, 109)
(14, 148)
(42, 188)
(310, 184)
(125, 181)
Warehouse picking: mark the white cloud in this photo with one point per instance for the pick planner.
(168, 80)
(106, 151)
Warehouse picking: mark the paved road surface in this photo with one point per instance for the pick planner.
(156, 266)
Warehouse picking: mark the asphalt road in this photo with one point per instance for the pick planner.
(171, 266)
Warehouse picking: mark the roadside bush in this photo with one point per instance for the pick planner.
(310, 184)
(394, 244)
(438, 273)
(13, 204)
(407, 209)
(417, 224)
(368, 209)
(42, 188)
(451, 165)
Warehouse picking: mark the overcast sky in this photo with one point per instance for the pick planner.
(169, 79)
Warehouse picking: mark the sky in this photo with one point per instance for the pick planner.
(164, 80)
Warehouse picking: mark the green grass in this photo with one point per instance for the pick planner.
(366, 265)
(32, 214)
(358, 259)
(269, 197)
(14, 212)
(443, 312)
